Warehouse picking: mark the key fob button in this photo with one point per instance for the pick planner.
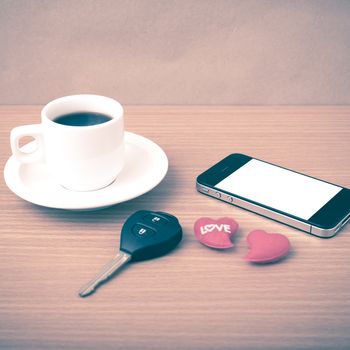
(155, 219)
(143, 231)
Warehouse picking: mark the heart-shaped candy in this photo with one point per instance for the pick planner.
(266, 247)
(215, 233)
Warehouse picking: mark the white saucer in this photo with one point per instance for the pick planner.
(146, 164)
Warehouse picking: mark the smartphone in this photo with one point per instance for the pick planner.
(306, 203)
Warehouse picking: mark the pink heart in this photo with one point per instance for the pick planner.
(215, 233)
(266, 247)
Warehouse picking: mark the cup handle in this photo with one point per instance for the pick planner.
(34, 131)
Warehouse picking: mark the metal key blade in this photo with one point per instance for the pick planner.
(107, 271)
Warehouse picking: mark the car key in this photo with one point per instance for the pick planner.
(145, 235)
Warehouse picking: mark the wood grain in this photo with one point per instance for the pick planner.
(194, 298)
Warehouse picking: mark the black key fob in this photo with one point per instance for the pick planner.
(149, 234)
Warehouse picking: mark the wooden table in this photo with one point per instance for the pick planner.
(194, 298)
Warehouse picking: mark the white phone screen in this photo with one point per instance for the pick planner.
(279, 188)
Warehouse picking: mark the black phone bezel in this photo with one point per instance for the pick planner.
(327, 217)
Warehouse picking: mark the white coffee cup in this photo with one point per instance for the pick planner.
(80, 158)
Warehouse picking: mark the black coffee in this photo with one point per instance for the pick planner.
(82, 119)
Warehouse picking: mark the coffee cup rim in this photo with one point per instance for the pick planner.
(64, 99)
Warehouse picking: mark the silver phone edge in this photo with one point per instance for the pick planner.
(300, 225)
